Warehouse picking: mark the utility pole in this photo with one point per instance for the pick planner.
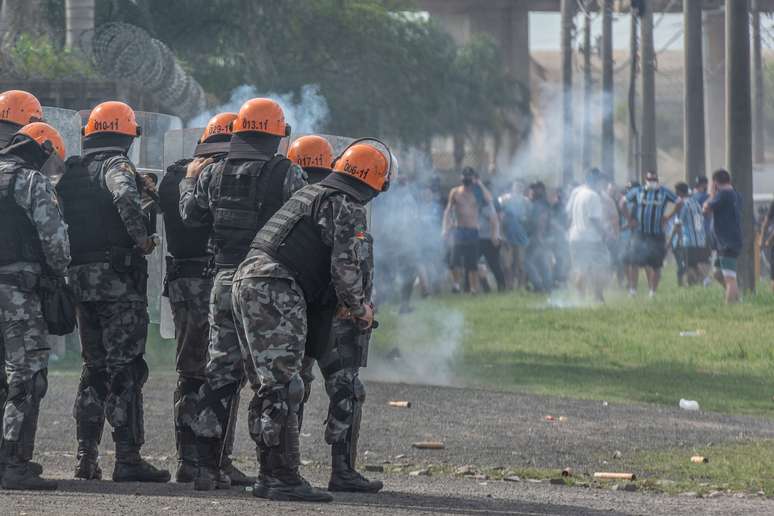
(739, 128)
(648, 136)
(693, 93)
(759, 103)
(568, 143)
(608, 110)
(633, 160)
(587, 92)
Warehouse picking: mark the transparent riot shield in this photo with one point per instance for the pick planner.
(68, 123)
(147, 153)
(178, 144)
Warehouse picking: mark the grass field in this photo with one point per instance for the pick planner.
(626, 350)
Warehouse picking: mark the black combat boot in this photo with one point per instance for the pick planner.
(87, 467)
(89, 435)
(208, 475)
(281, 481)
(130, 466)
(18, 474)
(186, 456)
(36, 468)
(238, 478)
(344, 476)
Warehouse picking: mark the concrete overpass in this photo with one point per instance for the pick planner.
(507, 23)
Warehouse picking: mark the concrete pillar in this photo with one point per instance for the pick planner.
(693, 92)
(739, 130)
(608, 105)
(759, 102)
(79, 22)
(568, 133)
(587, 93)
(715, 88)
(648, 150)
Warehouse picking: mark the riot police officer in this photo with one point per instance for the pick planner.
(110, 235)
(34, 244)
(238, 195)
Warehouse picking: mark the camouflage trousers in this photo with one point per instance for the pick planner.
(225, 369)
(270, 315)
(189, 300)
(113, 336)
(340, 365)
(23, 334)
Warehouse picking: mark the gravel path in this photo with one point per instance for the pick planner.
(478, 427)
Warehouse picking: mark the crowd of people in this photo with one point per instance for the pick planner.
(527, 236)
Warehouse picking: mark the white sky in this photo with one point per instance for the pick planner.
(544, 31)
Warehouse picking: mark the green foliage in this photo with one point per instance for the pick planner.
(381, 69)
(38, 58)
(628, 350)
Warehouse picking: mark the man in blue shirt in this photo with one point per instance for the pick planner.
(725, 205)
(647, 218)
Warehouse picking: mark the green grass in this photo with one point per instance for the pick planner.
(627, 350)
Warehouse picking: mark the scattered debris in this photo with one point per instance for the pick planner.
(690, 494)
(629, 488)
(605, 404)
(480, 477)
(429, 445)
(465, 470)
(374, 468)
(306, 462)
(550, 418)
(617, 454)
(399, 404)
(534, 481)
(698, 459)
(615, 476)
(425, 472)
(562, 419)
(715, 494)
(401, 456)
(512, 478)
(567, 472)
(692, 333)
(557, 482)
(689, 404)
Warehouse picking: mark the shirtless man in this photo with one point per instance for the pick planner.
(460, 224)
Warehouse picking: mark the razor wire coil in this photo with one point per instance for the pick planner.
(125, 51)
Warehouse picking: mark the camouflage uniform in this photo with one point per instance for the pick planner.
(225, 371)
(270, 310)
(110, 287)
(23, 330)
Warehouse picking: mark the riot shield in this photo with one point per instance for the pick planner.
(68, 123)
(147, 153)
(178, 144)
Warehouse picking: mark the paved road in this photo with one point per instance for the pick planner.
(479, 427)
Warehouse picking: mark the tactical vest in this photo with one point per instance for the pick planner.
(293, 238)
(94, 224)
(183, 242)
(246, 195)
(18, 236)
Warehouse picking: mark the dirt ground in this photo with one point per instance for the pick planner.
(478, 427)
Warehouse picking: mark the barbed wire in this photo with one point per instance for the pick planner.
(124, 51)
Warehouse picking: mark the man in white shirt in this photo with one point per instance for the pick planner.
(587, 235)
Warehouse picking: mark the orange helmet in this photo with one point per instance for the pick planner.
(20, 107)
(366, 163)
(311, 152)
(112, 117)
(262, 116)
(45, 136)
(219, 124)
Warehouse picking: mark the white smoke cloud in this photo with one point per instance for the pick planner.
(306, 113)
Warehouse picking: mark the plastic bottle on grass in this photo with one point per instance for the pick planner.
(689, 404)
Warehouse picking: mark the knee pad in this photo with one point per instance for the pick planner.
(40, 384)
(97, 379)
(140, 371)
(295, 392)
(358, 390)
(187, 386)
(217, 400)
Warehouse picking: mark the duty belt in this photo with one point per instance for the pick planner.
(187, 269)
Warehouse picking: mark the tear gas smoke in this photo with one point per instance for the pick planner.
(423, 351)
(306, 112)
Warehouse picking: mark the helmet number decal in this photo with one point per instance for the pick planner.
(107, 125)
(255, 125)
